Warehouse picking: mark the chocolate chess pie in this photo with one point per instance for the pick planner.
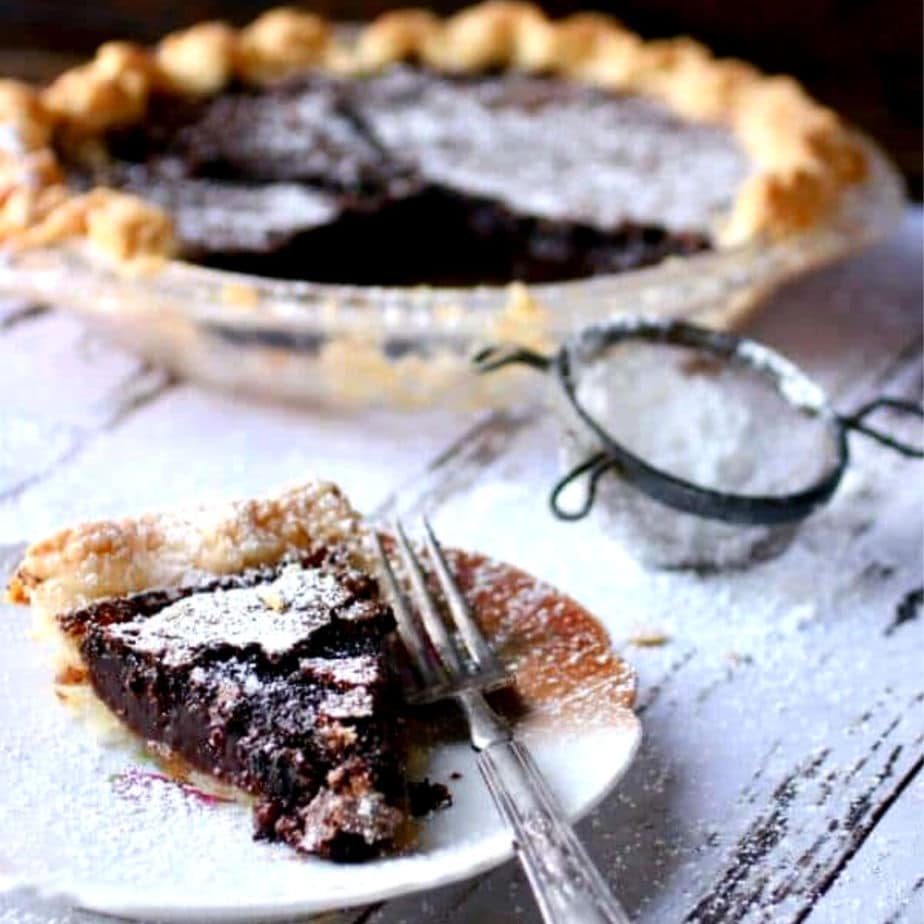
(491, 146)
(251, 644)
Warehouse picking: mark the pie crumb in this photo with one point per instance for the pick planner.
(649, 639)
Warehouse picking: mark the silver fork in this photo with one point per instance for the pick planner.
(568, 887)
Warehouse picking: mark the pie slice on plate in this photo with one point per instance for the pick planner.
(246, 645)
(251, 644)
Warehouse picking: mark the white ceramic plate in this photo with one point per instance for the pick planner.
(82, 821)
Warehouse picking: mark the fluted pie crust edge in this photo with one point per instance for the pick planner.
(802, 153)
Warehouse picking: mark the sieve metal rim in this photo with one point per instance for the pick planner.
(792, 384)
(672, 490)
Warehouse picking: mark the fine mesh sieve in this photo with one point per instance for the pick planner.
(702, 448)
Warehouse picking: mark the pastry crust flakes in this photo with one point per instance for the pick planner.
(803, 155)
(112, 558)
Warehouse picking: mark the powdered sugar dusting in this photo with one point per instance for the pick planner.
(362, 669)
(564, 666)
(136, 784)
(593, 158)
(274, 617)
(215, 215)
(717, 424)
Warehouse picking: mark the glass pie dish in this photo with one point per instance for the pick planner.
(354, 346)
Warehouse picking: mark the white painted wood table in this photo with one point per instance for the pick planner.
(780, 776)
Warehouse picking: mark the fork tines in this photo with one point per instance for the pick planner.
(446, 661)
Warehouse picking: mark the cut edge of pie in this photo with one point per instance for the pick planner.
(160, 621)
(803, 154)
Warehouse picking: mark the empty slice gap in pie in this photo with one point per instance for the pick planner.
(491, 146)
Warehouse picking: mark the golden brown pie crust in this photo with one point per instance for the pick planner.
(803, 155)
(113, 558)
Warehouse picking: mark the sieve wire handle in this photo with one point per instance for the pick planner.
(496, 357)
(595, 467)
(857, 423)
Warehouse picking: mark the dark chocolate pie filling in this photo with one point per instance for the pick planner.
(410, 177)
(275, 680)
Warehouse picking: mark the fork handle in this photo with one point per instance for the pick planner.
(567, 885)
